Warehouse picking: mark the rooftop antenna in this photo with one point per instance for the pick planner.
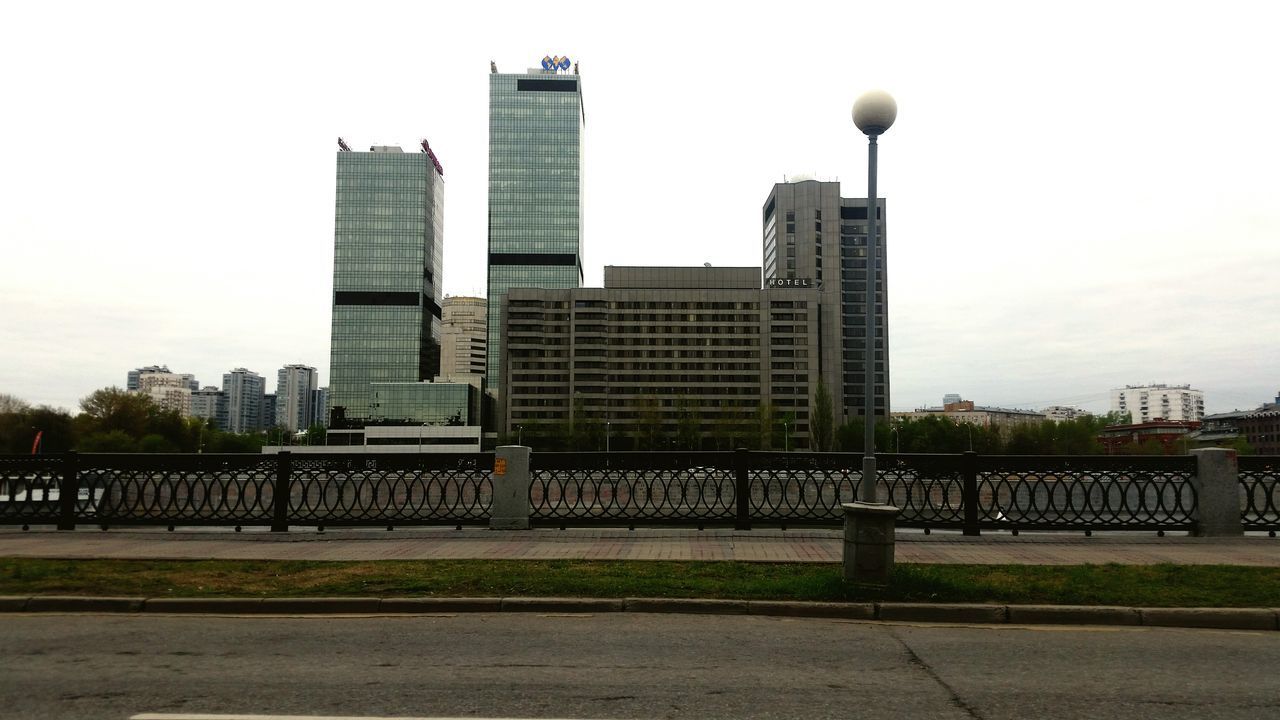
(493, 67)
(706, 264)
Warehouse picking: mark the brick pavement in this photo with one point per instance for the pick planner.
(762, 545)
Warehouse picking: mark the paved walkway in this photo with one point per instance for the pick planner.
(763, 545)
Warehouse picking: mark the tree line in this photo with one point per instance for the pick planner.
(116, 420)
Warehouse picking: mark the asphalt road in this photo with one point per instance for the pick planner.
(624, 666)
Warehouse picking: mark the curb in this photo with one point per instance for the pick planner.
(1213, 618)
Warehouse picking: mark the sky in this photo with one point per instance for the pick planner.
(1080, 195)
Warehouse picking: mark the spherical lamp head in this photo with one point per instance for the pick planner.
(874, 112)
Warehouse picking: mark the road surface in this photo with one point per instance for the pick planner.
(624, 666)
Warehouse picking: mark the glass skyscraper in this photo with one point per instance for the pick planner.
(388, 232)
(535, 190)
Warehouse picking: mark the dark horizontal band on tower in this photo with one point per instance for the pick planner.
(547, 85)
(569, 259)
(363, 297)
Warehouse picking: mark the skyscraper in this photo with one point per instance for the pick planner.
(388, 234)
(535, 190)
(295, 392)
(807, 224)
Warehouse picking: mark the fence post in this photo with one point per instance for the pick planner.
(1217, 484)
(280, 497)
(68, 492)
(742, 489)
(969, 492)
(511, 477)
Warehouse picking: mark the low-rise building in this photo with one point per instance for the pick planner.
(1171, 435)
(965, 411)
(1062, 413)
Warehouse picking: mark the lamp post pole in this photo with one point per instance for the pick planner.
(873, 113)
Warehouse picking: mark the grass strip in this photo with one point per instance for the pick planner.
(1131, 585)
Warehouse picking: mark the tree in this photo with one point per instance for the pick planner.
(12, 404)
(316, 434)
(111, 409)
(688, 429)
(764, 425)
(821, 419)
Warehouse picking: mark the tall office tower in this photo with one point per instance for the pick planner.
(462, 337)
(244, 390)
(295, 392)
(388, 235)
(319, 403)
(535, 191)
(807, 224)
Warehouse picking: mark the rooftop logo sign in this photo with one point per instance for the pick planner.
(555, 63)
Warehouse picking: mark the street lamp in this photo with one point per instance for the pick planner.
(608, 431)
(520, 435)
(421, 429)
(786, 437)
(873, 113)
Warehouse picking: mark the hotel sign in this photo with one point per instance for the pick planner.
(790, 282)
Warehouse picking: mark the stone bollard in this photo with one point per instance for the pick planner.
(868, 541)
(510, 509)
(1217, 484)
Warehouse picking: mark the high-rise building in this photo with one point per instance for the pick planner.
(536, 120)
(319, 405)
(169, 391)
(210, 403)
(295, 394)
(814, 237)
(268, 410)
(388, 234)
(462, 337)
(244, 390)
(1145, 403)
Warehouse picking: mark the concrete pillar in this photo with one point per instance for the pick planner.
(868, 541)
(510, 508)
(1217, 485)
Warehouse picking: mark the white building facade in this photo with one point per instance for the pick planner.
(296, 387)
(1145, 403)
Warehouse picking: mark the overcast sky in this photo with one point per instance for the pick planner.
(1081, 195)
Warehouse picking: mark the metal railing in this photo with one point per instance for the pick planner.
(966, 492)
(1260, 493)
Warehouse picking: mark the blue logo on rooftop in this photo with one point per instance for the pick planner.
(555, 63)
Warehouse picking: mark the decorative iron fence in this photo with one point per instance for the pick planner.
(224, 490)
(1260, 493)
(966, 492)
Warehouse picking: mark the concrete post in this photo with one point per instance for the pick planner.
(1217, 485)
(510, 509)
(868, 541)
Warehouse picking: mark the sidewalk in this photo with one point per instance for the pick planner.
(764, 545)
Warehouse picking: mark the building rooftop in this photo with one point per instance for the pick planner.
(627, 277)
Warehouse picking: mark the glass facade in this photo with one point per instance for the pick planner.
(430, 403)
(388, 232)
(535, 193)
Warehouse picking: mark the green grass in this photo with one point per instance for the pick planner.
(1145, 585)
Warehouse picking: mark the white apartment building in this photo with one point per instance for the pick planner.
(296, 387)
(1145, 403)
(1061, 413)
(170, 391)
